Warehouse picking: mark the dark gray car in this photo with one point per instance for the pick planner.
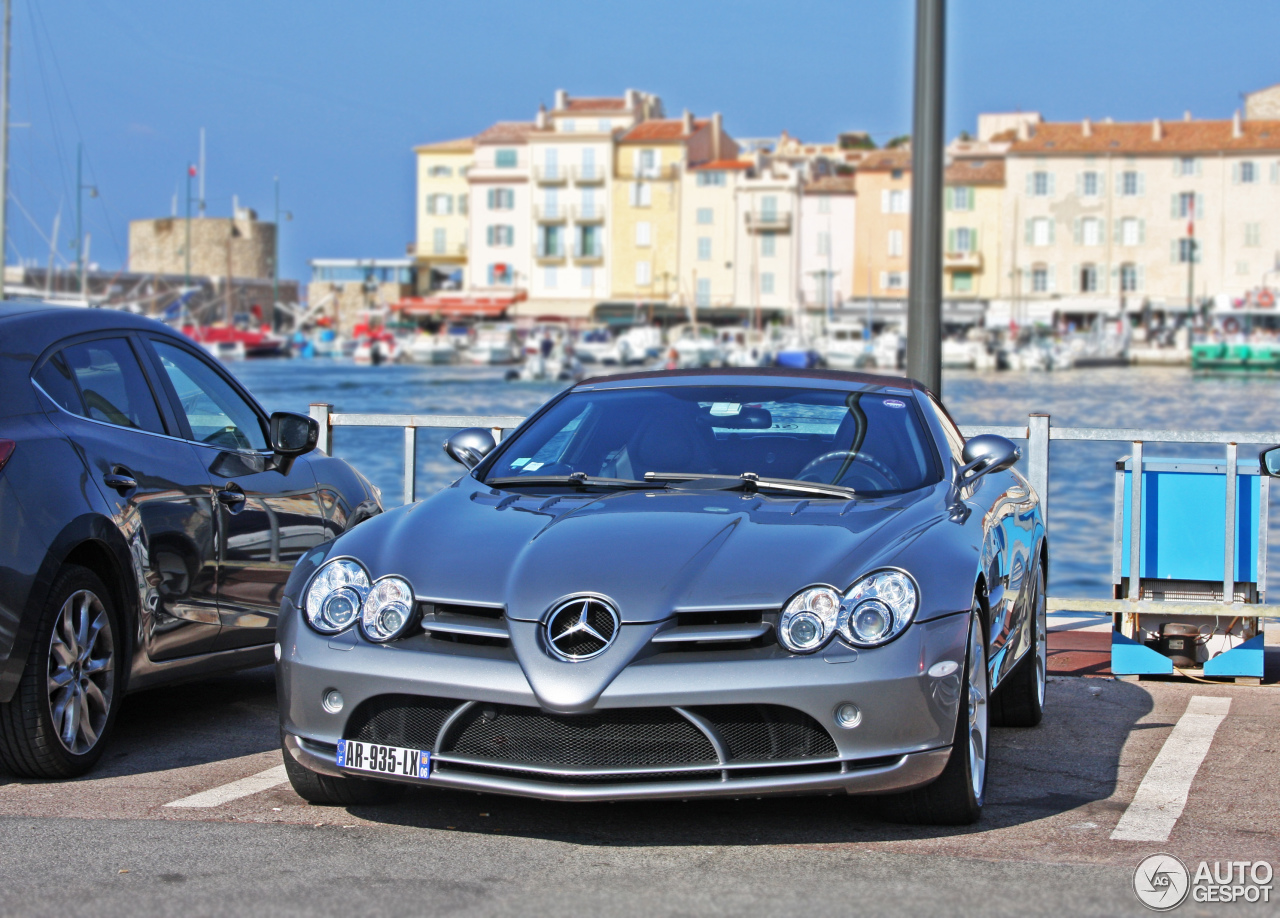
(152, 513)
(669, 585)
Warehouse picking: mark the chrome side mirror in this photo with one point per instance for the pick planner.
(291, 435)
(1269, 462)
(470, 446)
(987, 453)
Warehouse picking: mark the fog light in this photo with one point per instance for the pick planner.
(848, 715)
(332, 701)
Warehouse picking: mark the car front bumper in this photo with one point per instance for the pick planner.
(902, 739)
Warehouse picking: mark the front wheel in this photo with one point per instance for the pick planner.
(58, 721)
(956, 797)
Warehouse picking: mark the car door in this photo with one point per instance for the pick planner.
(268, 515)
(160, 495)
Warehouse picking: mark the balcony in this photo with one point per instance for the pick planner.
(548, 256)
(550, 175)
(962, 261)
(666, 173)
(592, 256)
(547, 213)
(588, 175)
(768, 221)
(592, 214)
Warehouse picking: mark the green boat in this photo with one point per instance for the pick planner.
(1236, 358)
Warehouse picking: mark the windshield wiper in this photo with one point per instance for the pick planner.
(750, 481)
(575, 480)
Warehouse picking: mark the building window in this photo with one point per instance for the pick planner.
(589, 242)
(1088, 278)
(704, 291)
(604, 125)
(440, 204)
(1185, 205)
(704, 248)
(1090, 231)
(824, 244)
(648, 163)
(1131, 231)
(962, 282)
(714, 177)
(501, 199)
(462, 204)
(766, 282)
(499, 274)
(551, 202)
(1040, 231)
(590, 209)
(550, 241)
(644, 233)
(1131, 184)
(1242, 267)
(1253, 234)
(440, 172)
(768, 244)
(1041, 184)
(549, 277)
(1186, 250)
(641, 194)
(499, 235)
(961, 197)
(505, 159)
(439, 240)
(588, 162)
(1039, 279)
(1089, 185)
(824, 204)
(893, 280)
(568, 126)
(1187, 165)
(895, 201)
(962, 239)
(1248, 174)
(895, 243)
(705, 216)
(588, 278)
(1128, 277)
(551, 162)
(643, 274)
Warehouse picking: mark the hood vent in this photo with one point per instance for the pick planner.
(718, 629)
(463, 624)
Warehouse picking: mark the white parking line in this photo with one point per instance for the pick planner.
(1163, 792)
(254, 784)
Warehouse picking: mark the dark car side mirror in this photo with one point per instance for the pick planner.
(1269, 462)
(987, 453)
(470, 446)
(292, 435)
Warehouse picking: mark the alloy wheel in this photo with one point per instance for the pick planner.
(81, 672)
(978, 714)
(1042, 634)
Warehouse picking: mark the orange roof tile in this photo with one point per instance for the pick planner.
(831, 184)
(1138, 137)
(659, 129)
(722, 164)
(597, 104)
(507, 132)
(461, 145)
(885, 160)
(977, 170)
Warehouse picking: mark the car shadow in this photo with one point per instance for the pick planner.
(1069, 762)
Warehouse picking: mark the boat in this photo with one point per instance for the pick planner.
(377, 348)
(597, 345)
(425, 347)
(238, 343)
(693, 346)
(745, 347)
(639, 344)
(493, 344)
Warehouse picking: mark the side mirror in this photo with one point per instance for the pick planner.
(293, 434)
(470, 446)
(987, 453)
(1269, 462)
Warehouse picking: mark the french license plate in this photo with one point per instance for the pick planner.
(384, 760)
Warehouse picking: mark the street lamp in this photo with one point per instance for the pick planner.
(81, 187)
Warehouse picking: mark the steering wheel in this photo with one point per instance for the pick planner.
(873, 465)
(114, 415)
(229, 433)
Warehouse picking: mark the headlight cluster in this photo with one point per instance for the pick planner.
(873, 611)
(341, 593)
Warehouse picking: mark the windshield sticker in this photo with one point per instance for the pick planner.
(534, 466)
(894, 403)
(725, 409)
(519, 462)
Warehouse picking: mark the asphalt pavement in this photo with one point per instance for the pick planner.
(241, 842)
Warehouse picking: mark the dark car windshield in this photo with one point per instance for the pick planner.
(872, 442)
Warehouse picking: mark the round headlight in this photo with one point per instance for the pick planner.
(809, 619)
(878, 608)
(333, 600)
(387, 610)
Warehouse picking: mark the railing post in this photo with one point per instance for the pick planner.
(1038, 461)
(1229, 551)
(497, 434)
(410, 463)
(1130, 628)
(321, 411)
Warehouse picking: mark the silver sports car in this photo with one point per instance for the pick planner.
(682, 584)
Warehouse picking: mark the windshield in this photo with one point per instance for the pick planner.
(874, 443)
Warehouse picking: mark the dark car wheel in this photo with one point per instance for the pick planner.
(325, 790)
(956, 797)
(61, 716)
(1019, 701)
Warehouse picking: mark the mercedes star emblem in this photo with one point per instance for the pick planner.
(581, 628)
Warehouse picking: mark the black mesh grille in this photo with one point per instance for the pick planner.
(399, 720)
(629, 737)
(655, 777)
(768, 732)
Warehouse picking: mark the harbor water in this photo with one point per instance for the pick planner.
(1082, 475)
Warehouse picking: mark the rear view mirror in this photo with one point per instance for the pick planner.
(1269, 462)
(293, 434)
(988, 453)
(470, 446)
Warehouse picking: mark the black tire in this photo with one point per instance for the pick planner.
(1019, 701)
(952, 799)
(32, 743)
(324, 790)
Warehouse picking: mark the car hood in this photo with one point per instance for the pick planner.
(653, 553)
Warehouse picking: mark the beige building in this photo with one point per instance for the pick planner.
(1099, 216)
(443, 198)
(973, 220)
(239, 246)
(709, 221)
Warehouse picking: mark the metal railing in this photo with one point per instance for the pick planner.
(1038, 433)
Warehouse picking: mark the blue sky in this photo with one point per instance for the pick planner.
(333, 96)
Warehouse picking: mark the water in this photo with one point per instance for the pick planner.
(1082, 475)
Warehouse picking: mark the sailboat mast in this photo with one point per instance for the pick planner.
(4, 141)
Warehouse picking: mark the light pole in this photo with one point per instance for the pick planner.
(191, 172)
(81, 187)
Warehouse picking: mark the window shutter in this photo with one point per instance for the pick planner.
(951, 239)
(1173, 251)
(884, 200)
(1140, 280)
(1173, 206)
(1235, 173)
(1075, 278)
(949, 198)
(1102, 183)
(1142, 183)
(635, 162)
(1142, 231)
(973, 240)
(1030, 232)
(1051, 283)
(1080, 184)
(1199, 206)
(635, 194)
(1031, 183)
(1051, 177)
(489, 198)
(1078, 231)
(1275, 173)
(884, 280)
(488, 235)
(1051, 231)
